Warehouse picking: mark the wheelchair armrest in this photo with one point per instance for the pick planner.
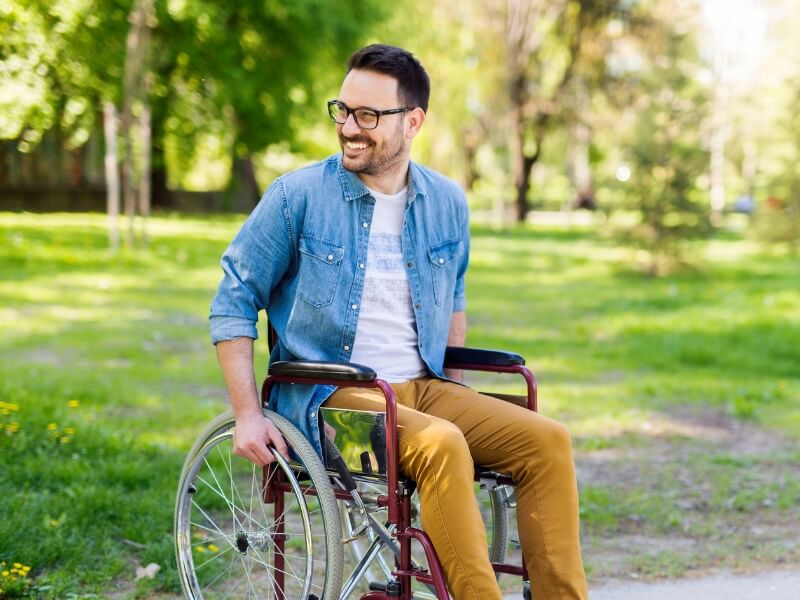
(325, 370)
(466, 357)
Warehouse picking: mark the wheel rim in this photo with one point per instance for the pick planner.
(226, 537)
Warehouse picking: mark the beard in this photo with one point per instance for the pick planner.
(378, 157)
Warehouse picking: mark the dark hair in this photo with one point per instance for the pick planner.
(413, 83)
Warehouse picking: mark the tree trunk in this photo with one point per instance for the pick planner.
(523, 187)
(243, 190)
(580, 172)
(144, 180)
(133, 91)
(112, 173)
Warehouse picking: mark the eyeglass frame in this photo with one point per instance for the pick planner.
(352, 111)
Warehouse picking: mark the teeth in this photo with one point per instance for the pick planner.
(356, 146)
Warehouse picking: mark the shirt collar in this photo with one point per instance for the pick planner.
(354, 188)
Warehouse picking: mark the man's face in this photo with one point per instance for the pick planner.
(372, 151)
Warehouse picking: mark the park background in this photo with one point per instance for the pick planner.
(631, 167)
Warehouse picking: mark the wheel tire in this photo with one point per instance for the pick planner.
(222, 524)
(498, 532)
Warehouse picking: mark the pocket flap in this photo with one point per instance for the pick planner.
(443, 253)
(320, 249)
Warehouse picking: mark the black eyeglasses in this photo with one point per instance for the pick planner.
(365, 118)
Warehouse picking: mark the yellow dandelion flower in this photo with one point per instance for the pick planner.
(52, 426)
(53, 523)
(213, 547)
(64, 439)
(201, 549)
(17, 565)
(13, 427)
(5, 411)
(72, 404)
(69, 430)
(4, 573)
(12, 407)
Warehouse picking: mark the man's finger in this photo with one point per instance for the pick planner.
(261, 454)
(276, 439)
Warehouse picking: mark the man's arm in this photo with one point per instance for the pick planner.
(457, 336)
(253, 432)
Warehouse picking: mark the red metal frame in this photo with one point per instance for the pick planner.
(398, 505)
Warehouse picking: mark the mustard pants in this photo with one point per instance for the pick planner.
(443, 429)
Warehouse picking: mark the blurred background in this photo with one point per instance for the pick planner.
(668, 113)
(632, 171)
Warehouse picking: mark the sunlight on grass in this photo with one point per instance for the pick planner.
(113, 350)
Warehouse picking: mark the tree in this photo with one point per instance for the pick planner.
(244, 72)
(665, 145)
(550, 45)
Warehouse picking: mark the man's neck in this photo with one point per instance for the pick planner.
(390, 182)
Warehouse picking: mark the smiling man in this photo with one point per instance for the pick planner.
(361, 258)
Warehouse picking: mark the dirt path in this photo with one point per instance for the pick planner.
(778, 585)
(689, 492)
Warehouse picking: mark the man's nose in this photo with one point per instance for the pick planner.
(350, 127)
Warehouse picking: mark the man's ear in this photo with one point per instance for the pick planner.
(414, 120)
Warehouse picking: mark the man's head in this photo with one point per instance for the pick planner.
(413, 84)
(380, 79)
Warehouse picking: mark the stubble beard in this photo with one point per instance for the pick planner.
(381, 159)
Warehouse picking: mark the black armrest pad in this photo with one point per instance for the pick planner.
(479, 356)
(310, 369)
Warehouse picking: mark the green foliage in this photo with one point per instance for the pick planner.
(778, 219)
(666, 153)
(229, 78)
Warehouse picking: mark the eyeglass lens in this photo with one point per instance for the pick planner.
(364, 117)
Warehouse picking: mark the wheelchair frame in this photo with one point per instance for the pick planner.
(397, 501)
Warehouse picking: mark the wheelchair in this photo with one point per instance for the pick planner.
(286, 531)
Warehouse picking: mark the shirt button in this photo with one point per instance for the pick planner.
(313, 413)
(441, 261)
(354, 306)
(419, 305)
(361, 265)
(347, 348)
(330, 257)
(409, 264)
(365, 225)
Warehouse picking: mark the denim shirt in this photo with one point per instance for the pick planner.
(301, 256)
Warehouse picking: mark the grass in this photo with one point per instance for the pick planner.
(106, 374)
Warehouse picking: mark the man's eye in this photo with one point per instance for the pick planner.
(366, 115)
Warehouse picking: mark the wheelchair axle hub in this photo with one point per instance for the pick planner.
(245, 540)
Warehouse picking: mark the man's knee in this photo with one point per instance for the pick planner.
(440, 446)
(548, 440)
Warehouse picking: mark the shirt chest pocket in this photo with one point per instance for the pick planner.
(444, 268)
(320, 265)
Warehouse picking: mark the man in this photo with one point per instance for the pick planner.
(361, 258)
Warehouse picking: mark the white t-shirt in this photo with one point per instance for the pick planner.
(386, 335)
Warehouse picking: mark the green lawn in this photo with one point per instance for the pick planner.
(106, 374)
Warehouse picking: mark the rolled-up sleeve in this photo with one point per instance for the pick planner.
(252, 265)
(460, 293)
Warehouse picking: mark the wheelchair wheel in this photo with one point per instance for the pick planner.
(229, 543)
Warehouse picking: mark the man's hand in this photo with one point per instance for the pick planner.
(251, 436)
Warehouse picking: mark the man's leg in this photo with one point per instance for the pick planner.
(537, 453)
(434, 453)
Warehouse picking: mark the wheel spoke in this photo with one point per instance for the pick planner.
(221, 504)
